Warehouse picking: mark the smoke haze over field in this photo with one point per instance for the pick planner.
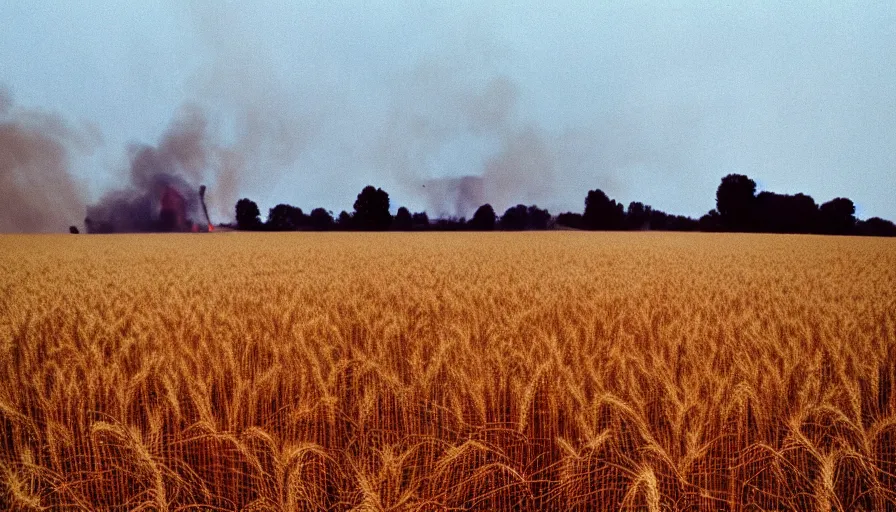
(38, 192)
(444, 106)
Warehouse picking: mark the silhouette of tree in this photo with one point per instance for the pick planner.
(420, 220)
(781, 213)
(372, 210)
(537, 218)
(320, 220)
(876, 226)
(284, 217)
(345, 220)
(449, 224)
(572, 220)
(483, 219)
(638, 216)
(247, 215)
(403, 220)
(73, 230)
(710, 222)
(735, 199)
(602, 213)
(837, 217)
(516, 218)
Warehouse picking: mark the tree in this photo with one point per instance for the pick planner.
(537, 218)
(345, 220)
(602, 213)
(837, 217)
(247, 215)
(710, 222)
(320, 219)
(876, 226)
(372, 210)
(420, 220)
(638, 216)
(73, 230)
(735, 200)
(515, 218)
(572, 220)
(284, 217)
(483, 219)
(403, 220)
(782, 213)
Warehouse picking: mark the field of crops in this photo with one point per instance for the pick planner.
(436, 371)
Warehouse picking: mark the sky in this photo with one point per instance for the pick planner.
(306, 103)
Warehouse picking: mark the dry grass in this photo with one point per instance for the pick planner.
(533, 371)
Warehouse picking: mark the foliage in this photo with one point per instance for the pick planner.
(284, 217)
(320, 219)
(735, 200)
(484, 219)
(602, 213)
(403, 220)
(372, 210)
(247, 215)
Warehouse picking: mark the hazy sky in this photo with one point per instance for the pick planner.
(545, 100)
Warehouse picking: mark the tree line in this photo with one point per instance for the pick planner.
(738, 209)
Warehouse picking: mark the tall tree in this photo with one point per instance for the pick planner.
(483, 219)
(247, 214)
(372, 210)
(515, 218)
(320, 219)
(284, 217)
(837, 217)
(602, 213)
(420, 220)
(735, 200)
(403, 220)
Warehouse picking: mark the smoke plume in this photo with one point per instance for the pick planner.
(162, 193)
(441, 111)
(36, 151)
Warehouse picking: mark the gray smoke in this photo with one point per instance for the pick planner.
(162, 192)
(39, 193)
(440, 111)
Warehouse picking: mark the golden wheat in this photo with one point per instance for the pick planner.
(399, 371)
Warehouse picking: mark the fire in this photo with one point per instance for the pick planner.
(211, 228)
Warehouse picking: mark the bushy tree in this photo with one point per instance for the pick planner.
(735, 200)
(837, 217)
(484, 219)
(602, 213)
(247, 215)
(710, 222)
(403, 220)
(420, 220)
(637, 217)
(876, 226)
(537, 218)
(345, 220)
(320, 219)
(515, 218)
(782, 213)
(372, 210)
(284, 217)
(572, 220)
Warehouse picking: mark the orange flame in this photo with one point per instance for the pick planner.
(211, 228)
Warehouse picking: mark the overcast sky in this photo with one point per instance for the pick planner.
(545, 100)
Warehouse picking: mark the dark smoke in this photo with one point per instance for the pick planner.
(36, 148)
(163, 192)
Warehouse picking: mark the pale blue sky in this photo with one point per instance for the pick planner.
(648, 101)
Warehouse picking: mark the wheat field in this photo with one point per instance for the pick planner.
(440, 371)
